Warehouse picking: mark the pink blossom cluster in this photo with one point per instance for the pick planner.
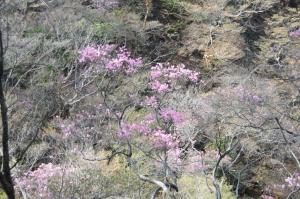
(294, 181)
(164, 76)
(295, 33)
(174, 159)
(196, 163)
(162, 140)
(267, 197)
(239, 95)
(290, 184)
(75, 125)
(103, 5)
(93, 53)
(149, 119)
(123, 61)
(37, 181)
(109, 58)
(201, 161)
(247, 96)
(172, 72)
(67, 128)
(151, 102)
(128, 129)
(159, 138)
(159, 87)
(169, 115)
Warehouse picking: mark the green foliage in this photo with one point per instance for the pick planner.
(134, 116)
(172, 6)
(174, 30)
(65, 55)
(206, 17)
(33, 31)
(2, 194)
(101, 29)
(119, 26)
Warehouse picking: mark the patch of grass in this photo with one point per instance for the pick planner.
(33, 31)
(119, 27)
(196, 187)
(101, 30)
(136, 116)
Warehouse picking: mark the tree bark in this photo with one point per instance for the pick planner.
(155, 8)
(5, 174)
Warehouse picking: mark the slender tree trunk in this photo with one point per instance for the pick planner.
(155, 8)
(5, 175)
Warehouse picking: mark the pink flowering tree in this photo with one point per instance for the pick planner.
(111, 76)
(155, 134)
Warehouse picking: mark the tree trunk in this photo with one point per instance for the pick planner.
(5, 175)
(155, 8)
